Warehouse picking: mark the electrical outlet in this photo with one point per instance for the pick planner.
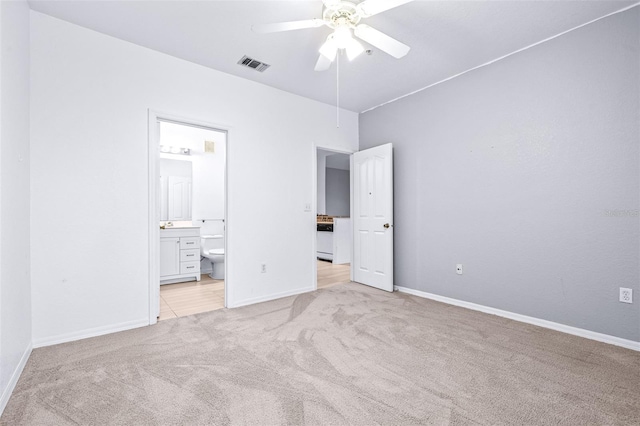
(307, 207)
(459, 268)
(626, 295)
(263, 268)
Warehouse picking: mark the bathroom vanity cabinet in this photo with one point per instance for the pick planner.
(179, 255)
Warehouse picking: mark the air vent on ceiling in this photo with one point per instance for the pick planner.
(252, 63)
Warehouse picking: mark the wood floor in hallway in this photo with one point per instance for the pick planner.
(330, 274)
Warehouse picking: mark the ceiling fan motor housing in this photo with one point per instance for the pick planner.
(342, 14)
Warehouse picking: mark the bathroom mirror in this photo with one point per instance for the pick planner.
(176, 179)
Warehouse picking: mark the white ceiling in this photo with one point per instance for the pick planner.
(446, 38)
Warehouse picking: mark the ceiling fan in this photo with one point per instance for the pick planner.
(343, 17)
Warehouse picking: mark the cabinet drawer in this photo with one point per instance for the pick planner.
(189, 242)
(189, 267)
(189, 255)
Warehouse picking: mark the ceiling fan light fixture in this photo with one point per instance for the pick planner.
(354, 49)
(329, 48)
(342, 36)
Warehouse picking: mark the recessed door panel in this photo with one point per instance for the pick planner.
(380, 201)
(362, 188)
(379, 252)
(363, 251)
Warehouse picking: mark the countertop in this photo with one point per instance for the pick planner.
(329, 223)
(181, 227)
(178, 224)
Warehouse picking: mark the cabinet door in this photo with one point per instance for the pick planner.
(169, 256)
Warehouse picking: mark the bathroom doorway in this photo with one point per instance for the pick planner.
(333, 218)
(188, 247)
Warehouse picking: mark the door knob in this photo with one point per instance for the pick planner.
(386, 225)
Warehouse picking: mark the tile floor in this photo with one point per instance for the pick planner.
(182, 299)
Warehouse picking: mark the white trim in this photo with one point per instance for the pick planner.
(90, 332)
(588, 334)
(269, 297)
(8, 390)
(153, 215)
(503, 57)
(314, 209)
(153, 248)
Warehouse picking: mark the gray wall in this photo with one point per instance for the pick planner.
(511, 169)
(337, 187)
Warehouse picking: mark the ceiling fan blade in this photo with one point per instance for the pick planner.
(372, 7)
(382, 41)
(287, 26)
(331, 3)
(323, 63)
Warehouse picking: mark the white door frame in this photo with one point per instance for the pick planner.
(154, 200)
(314, 204)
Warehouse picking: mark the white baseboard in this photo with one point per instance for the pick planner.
(600, 337)
(251, 301)
(91, 332)
(7, 391)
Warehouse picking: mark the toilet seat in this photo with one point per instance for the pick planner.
(216, 252)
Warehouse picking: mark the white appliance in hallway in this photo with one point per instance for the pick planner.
(325, 241)
(334, 240)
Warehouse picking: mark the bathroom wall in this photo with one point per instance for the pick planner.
(525, 171)
(90, 99)
(208, 167)
(171, 167)
(15, 276)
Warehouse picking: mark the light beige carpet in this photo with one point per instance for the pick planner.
(348, 354)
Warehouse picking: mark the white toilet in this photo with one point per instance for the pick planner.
(212, 248)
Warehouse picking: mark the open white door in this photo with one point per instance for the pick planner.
(373, 217)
